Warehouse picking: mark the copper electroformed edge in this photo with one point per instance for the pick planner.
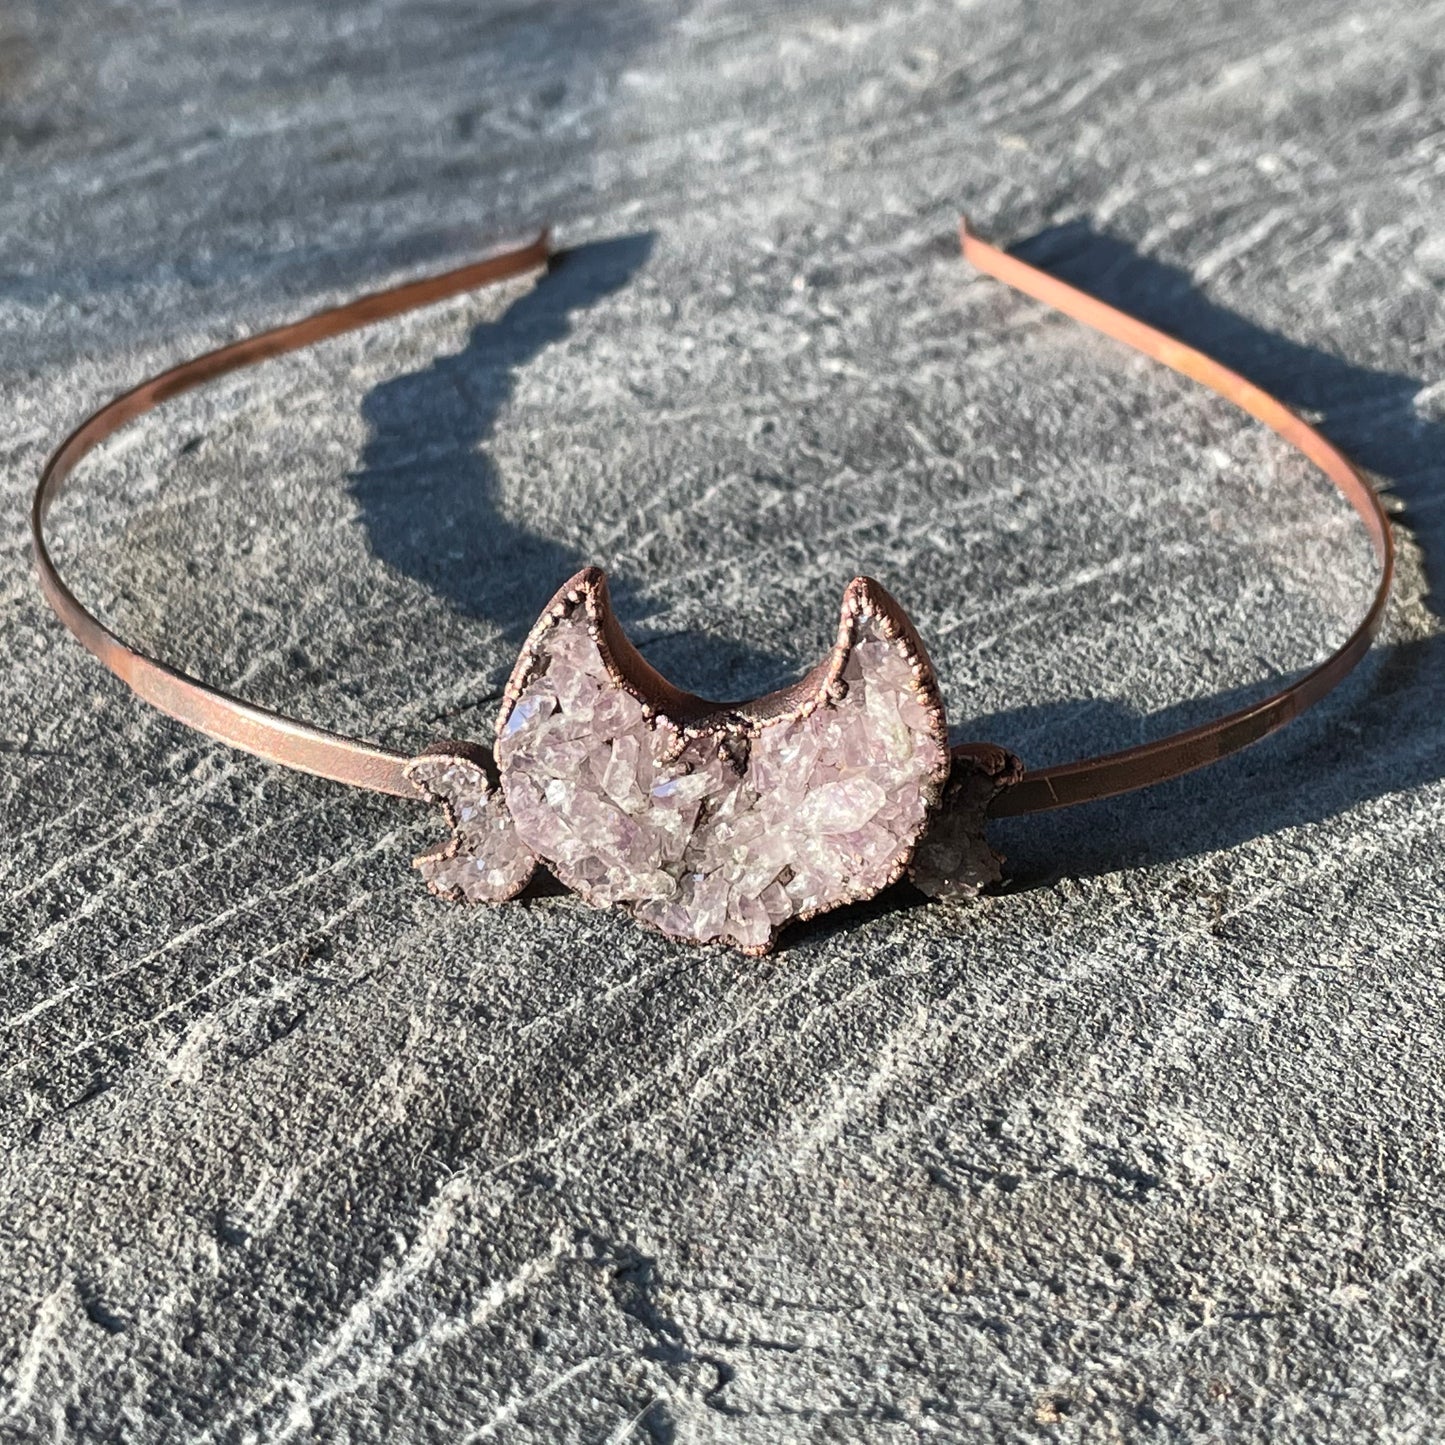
(295, 744)
(692, 716)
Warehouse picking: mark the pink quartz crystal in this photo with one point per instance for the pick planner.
(713, 824)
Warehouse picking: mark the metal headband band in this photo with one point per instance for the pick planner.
(295, 744)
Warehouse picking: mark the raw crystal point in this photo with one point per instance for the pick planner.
(483, 861)
(954, 859)
(720, 823)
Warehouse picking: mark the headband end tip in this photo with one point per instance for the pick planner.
(968, 239)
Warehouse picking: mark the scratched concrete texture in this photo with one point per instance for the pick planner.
(1145, 1146)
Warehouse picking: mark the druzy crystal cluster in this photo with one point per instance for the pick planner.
(714, 824)
(483, 861)
(954, 859)
(725, 833)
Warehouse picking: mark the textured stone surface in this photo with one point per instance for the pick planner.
(1146, 1147)
(725, 831)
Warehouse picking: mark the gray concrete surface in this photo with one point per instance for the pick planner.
(1146, 1147)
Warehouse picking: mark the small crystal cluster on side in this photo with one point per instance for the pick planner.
(954, 859)
(483, 861)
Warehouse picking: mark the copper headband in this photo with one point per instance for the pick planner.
(295, 744)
